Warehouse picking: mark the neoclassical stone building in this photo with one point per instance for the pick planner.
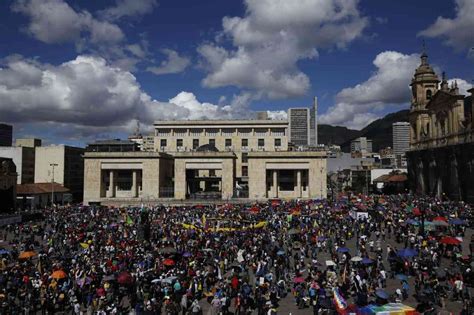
(205, 160)
(441, 156)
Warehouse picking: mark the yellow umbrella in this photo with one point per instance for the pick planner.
(84, 245)
(27, 254)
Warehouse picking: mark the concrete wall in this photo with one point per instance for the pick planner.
(314, 162)
(45, 156)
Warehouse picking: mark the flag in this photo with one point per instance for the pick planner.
(339, 301)
(129, 220)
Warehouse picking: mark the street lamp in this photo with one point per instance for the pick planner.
(53, 165)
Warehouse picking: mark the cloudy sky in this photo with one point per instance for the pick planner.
(75, 71)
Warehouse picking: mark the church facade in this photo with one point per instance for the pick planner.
(441, 156)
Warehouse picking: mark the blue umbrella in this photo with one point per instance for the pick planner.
(381, 294)
(402, 277)
(407, 252)
(187, 254)
(412, 222)
(457, 221)
(367, 261)
(343, 249)
(3, 251)
(281, 253)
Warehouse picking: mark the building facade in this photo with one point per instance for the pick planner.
(207, 159)
(65, 164)
(28, 142)
(401, 137)
(362, 145)
(24, 159)
(7, 185)
(6, 135)
(313, 124)
(299, 126)
(441, 156)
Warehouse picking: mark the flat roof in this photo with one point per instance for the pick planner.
(287, 154)
(207, 154)
(168, 123)
(132, 154)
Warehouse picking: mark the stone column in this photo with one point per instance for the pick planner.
(111, 191)
(298, 183)
(134, 184)
(275, 183)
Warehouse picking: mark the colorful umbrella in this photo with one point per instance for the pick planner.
(3, 251)
(125, 278)
(187, 254)
(356, 259)
(27, 254)
(440, 219)
(59, 274)
(457, 221)
(298, 280)
(407, 252)
(343, 249)
(367, 261)
(381, 294)
(168, 262)
(401, 277)
(450, 240)
(412, 222)
(440, 223)
(84, 245)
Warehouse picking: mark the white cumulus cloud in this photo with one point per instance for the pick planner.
(356, 106)
(88, 96)
(173, 64)
(131, 8)
(54, 21)
(458, 31)
(272, 37)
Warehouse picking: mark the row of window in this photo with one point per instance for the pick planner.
(228, 143)
(224, 131)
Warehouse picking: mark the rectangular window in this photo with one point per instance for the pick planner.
(179, 143)
(163, 143)
(212, 131)
(228, 142)
(245, 157)
(195, 143)
(245, 142)
(260, 131)
(278, 142)
(228, 132)
(245, 171)
(261, 142)
(212, 142)
(212, 173)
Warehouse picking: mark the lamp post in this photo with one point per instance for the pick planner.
(321, 188)
(53, 165)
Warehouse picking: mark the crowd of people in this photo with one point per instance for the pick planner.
(260, 258)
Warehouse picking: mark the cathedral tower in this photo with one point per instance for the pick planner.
(423, 85)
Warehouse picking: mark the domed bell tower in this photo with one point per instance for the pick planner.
(423, 85)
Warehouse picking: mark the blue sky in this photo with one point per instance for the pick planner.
(75, 71)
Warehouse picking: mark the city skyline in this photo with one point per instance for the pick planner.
(72, 72)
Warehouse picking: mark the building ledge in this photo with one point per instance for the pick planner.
(136, 154)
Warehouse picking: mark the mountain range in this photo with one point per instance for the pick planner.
(379, 131)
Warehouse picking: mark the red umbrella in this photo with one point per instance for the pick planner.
(125, 278)
(416, 211)
(440, 219)
(168, 262)
(298, 280)
(254, 209)
(450, 240)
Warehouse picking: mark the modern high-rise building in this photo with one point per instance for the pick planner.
(362, 145)
(24, 159)
(303, 125)
(401, 137)
(299, 130)
(313, 124)
(6, 135)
